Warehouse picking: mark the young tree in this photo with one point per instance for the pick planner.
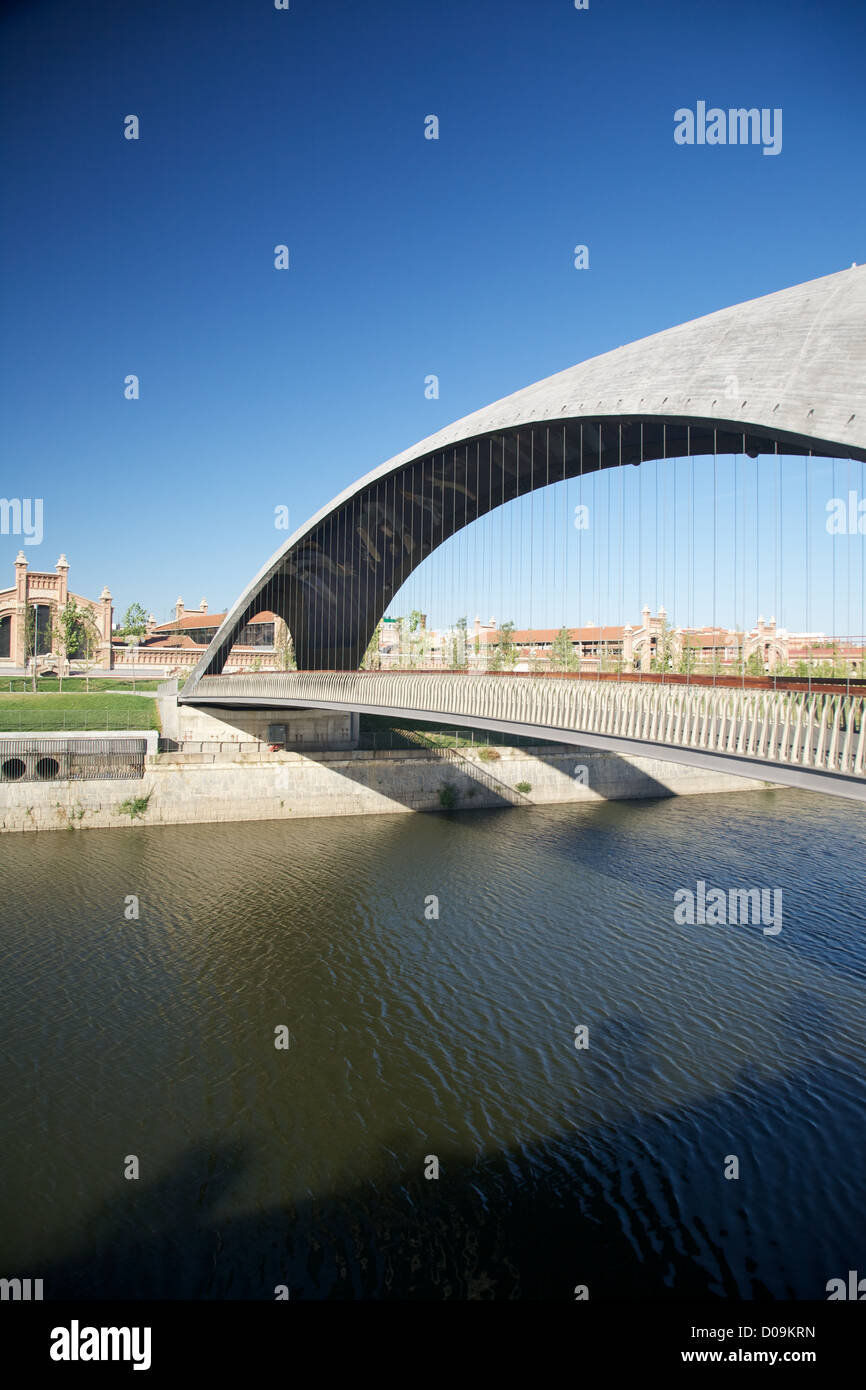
(134, 621)
(34, 637)
(285, 653)
(664, 648)
(371, 660)
(837, 667)
(79, 633)
(459, 658)
(30, 641)
(400, 637)
(562, 656)
(755, 664)
(688, 656)
(504, 654)
(506, 645)
(71, 627)
(419, 642)
(91, 638)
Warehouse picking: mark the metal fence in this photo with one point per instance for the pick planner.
(397, 738)
(213, 746)
(71, 759)
(57, 721)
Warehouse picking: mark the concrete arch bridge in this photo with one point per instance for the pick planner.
(797, 361)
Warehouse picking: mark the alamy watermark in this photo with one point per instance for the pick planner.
(20, 1290)
(77, 1343)
(737, 126)
(854, 1289)
(846, 516)
(714, 907)
(22, 516)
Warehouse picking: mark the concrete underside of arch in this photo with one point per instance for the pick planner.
(785, 373)
(776, 774)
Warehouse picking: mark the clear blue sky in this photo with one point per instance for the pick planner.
(408, 256)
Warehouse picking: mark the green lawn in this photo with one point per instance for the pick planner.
(49, 712)
(384, 731)
(74, 684)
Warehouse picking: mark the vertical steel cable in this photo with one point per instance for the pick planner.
(833, 548)
(620, 613)
(605, 616)
(758, 549)
(673, 607)
(532, 530)
(479, 570)
(566, 537)
(580, 549)
(691, 574)
(656, 533)
(664, 525)
(502, 533)
(465, 537)
(596, 549)
(345, 585)
(715, 546)
(852, 658)
(490, 516)
(807, 478)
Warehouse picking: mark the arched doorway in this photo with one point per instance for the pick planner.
(42, 631)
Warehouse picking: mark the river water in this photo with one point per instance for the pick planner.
(413, 1037)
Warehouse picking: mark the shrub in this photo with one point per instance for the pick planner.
(447, 796)
(490, 755)
(524, 787)
(135, 806)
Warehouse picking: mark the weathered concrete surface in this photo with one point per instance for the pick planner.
(304, 727)
(185, 789)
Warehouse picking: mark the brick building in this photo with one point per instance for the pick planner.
(46, 593)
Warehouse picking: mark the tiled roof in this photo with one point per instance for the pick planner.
(193, 620)
(530, 636)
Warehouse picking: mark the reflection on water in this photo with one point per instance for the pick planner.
(412, 1035)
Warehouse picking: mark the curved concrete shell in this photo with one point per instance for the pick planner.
(785, 373)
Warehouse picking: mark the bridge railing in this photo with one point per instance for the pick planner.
(821, 731)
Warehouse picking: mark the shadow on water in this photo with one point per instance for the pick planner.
(602, 1209)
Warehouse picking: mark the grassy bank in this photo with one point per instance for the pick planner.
(73, 685)
(48, 712)
(381, 731)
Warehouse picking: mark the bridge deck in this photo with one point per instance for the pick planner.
(789, 737)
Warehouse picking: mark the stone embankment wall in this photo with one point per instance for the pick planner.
(183, 788)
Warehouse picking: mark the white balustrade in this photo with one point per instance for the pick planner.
(792, 728)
